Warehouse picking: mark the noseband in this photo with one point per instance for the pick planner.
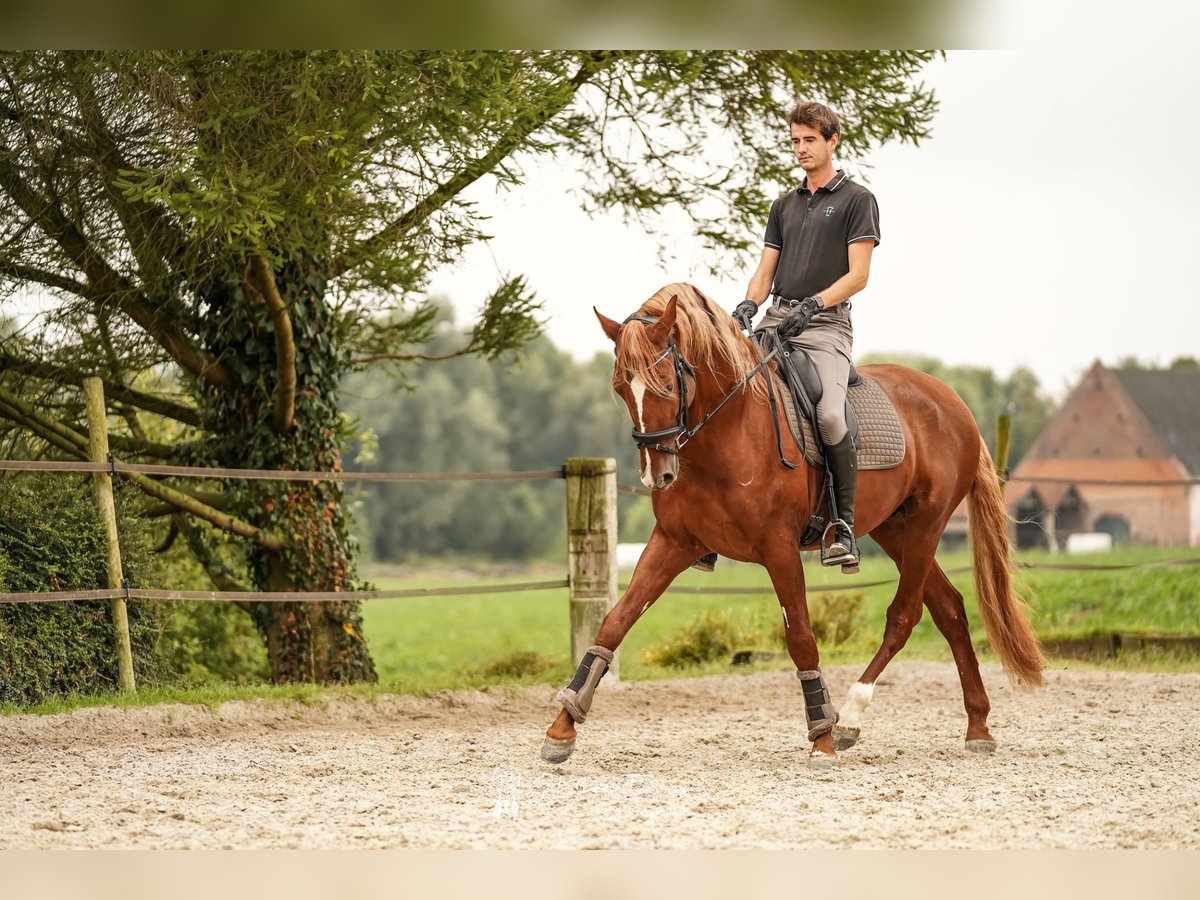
(653, 440)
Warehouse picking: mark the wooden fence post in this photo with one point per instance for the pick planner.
(591, 548)
(93, 390)
(1003, 438)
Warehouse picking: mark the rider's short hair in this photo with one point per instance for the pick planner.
(818, 116)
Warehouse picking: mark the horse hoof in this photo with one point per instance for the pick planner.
(556, 751)
(981, 746)
(844, 738)
(821, 762)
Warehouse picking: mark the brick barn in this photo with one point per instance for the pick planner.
(1129, 425)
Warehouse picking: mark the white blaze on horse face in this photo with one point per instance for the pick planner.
(857, 700)
(638, 388)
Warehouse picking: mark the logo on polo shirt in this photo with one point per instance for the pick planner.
(829, 210)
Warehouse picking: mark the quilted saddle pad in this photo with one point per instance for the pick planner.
(880, 438)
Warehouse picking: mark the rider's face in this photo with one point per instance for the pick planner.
(812, 151)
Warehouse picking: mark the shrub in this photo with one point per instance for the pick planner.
(209, 642)
(709, 636)
(835, 617)
(52, 539)
(519, 664)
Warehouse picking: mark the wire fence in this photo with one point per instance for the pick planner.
(116, 467)
(1041, 479)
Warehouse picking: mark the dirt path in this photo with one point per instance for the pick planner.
(1093, 760)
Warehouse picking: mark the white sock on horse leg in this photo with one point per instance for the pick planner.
(857, 700)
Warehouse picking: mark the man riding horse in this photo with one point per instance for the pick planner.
(679, 362)
(817, 255)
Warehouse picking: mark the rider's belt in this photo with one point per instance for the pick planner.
(787, 303)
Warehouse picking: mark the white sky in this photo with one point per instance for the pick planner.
(1049, 221)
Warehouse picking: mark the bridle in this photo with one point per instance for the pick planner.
(653, 440)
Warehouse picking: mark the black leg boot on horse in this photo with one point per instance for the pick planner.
(842, 550)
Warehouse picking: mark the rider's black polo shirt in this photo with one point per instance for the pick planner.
(813, 231)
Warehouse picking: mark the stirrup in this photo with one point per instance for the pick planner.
(837, 553)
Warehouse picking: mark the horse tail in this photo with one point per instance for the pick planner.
(1005, 615)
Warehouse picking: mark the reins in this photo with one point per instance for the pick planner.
(653, 440)
(771, 396)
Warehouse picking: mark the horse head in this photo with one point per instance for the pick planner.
(658, 386)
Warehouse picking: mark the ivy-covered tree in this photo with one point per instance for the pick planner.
(221, 236)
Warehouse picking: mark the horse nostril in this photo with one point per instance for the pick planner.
(667, 478)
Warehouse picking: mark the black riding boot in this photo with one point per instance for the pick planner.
(843, 468)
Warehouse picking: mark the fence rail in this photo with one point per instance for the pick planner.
(278, 596)
(507, 588)
(116, 467)
(1034, 479)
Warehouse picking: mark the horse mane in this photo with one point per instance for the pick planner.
(707, 336)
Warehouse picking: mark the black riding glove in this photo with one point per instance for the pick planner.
(798, 317)
(745, 313)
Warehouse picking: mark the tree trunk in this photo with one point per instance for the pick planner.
(306, 642)
(311, 642)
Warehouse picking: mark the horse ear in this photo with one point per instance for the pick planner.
(660, 329)
(610, 327)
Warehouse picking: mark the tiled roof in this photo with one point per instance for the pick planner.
(1170, 400)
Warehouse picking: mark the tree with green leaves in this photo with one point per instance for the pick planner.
(222, 236)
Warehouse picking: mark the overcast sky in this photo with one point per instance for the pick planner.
(1049, 221)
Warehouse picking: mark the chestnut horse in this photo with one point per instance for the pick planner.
(721, 488)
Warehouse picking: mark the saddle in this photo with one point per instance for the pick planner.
(870, 415)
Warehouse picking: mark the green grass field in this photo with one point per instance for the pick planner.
(432, 643)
